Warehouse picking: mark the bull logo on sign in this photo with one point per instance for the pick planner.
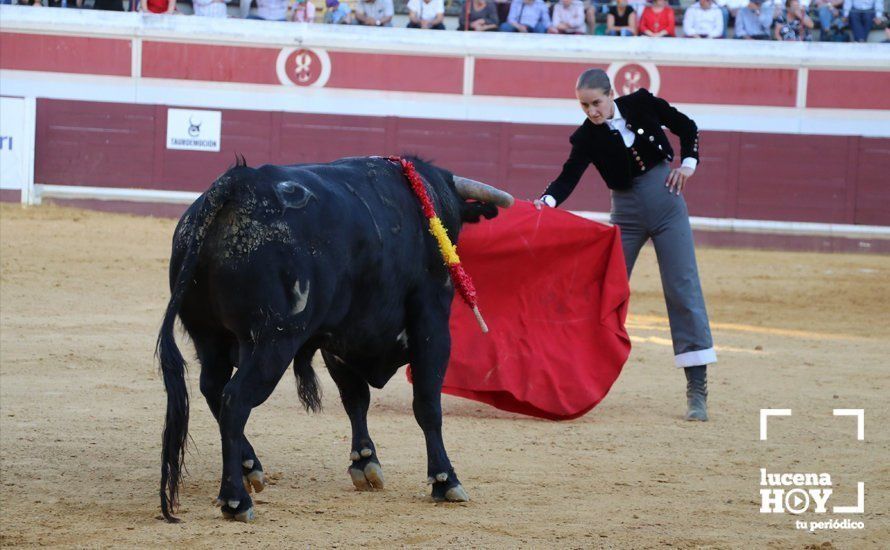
(631, 81)
(303, 67)
(627, 78)
(194, 126)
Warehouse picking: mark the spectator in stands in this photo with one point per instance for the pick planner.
(658, 20)
(639, 7)
(481, 15)
(426, 14)
(270, 10)
(527, 16)
(207, 8)
(337, 13)
(374, 13)
(158, 6)
(568, 18)
(65, 3)
(794, 24)
(592, 8)
(754, 21)
(703, 20)
(108, 5)
(621, 20)
(300, 11)
(730, 8)
(862, 14)
(830, 20)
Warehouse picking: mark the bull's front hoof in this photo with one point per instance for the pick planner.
(454, 494)
(447, 488)
(369, 478)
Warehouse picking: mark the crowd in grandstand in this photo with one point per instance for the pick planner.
(787, 20)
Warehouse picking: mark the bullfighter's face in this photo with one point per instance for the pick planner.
(596, 103)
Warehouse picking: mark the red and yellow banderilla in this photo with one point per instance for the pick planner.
(459, 277)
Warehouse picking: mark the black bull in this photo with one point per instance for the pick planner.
(270, 265)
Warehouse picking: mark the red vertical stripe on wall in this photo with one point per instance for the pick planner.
(514, 78)
(65, 54)
(210, 63)
(849, 89)
(397, 73)
(729, 86)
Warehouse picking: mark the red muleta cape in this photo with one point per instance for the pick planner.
(553, 288)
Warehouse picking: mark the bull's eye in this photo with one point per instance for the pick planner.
(293, 194)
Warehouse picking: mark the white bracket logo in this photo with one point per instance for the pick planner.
(766, 413)
(860, 436)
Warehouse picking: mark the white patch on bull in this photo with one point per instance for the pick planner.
(301, 296)
(402, 338)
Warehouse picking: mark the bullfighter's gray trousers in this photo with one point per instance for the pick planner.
(649, 210)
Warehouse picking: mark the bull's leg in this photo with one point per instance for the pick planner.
(260, 367)
(429, 349)
(364, 467)
(216, 354)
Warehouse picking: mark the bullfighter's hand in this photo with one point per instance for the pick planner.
(677, 179)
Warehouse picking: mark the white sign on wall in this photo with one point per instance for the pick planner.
(193, 130)
(16, 143)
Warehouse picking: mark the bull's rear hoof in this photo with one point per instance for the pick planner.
(368, 479)
(238, 510)
(245, 517)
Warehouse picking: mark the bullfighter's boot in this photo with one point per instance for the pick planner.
(697, 393)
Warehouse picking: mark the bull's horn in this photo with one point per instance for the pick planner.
(472, 189)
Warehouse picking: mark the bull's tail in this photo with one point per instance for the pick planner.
(171, 363)
(307, 386)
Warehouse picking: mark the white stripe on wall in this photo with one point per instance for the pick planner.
(697, 222)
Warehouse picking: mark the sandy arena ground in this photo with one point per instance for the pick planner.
(81, 410)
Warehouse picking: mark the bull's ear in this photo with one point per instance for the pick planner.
(472, 211)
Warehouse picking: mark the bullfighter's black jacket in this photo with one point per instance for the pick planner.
(599, 144)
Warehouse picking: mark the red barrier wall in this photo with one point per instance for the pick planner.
(833, 179)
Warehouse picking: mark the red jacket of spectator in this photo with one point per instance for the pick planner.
(655, 22)
(159, 6)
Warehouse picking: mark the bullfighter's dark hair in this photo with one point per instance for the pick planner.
(594, 79)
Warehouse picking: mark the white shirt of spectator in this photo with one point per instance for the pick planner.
(698, 21)
(271, 10)
(877, 5)
(426, 11)
(732, 5)
(379, 9)
(209, 8)
(573, 16)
